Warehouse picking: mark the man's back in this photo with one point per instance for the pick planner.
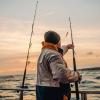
(44, 72)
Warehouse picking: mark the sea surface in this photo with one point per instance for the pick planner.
(90, 82)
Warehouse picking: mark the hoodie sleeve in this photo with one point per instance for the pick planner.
(65, 49)
(59, 70)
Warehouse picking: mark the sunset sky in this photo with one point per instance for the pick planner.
(16, 18)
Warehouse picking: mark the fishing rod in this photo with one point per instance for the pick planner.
(27, 57)
(74, 62)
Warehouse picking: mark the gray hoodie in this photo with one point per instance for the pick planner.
(51, 69)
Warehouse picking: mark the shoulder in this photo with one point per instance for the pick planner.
(51, 53)
(53, 56)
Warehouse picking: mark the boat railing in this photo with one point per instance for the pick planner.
(82, 93)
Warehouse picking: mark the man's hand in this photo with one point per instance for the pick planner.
(79, 77)
(70, 46)
(66, 47)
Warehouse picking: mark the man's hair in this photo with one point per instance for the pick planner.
(51, 37)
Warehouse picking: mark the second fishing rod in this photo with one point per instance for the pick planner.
(74, 62)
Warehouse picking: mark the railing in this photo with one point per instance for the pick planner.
(83, 93)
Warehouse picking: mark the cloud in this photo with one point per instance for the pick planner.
(12, 26)
(47, 13)
(90, 53)
(16, 62)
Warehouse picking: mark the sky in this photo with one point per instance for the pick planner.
(16, 17)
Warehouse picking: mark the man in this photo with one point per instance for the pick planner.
(52, 70)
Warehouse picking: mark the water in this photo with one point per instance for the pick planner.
(90, 81)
